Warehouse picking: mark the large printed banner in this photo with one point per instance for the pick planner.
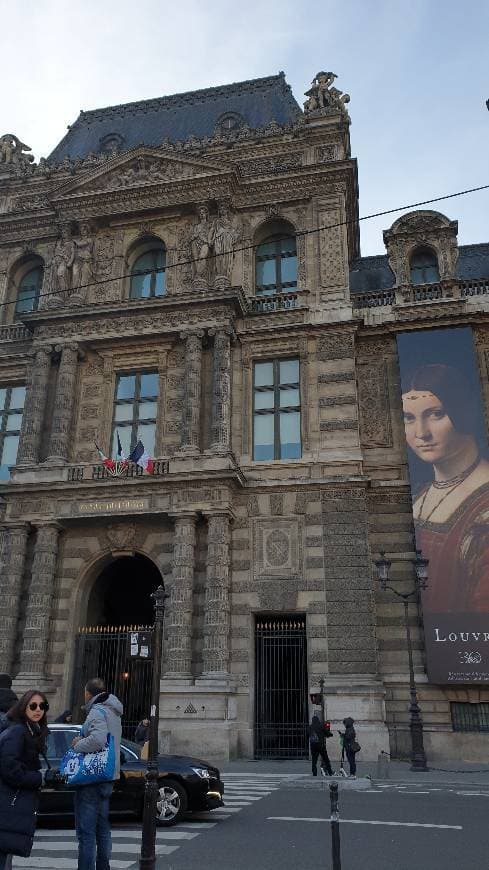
(449, 473)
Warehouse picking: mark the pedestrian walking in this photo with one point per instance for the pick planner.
(317, 742)
(91, 802)
(142, 732)
(7, 699)
(21, 776)
(349, 744)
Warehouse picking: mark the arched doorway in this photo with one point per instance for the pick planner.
(119, 606)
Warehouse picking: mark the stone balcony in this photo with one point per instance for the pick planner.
(409, 294)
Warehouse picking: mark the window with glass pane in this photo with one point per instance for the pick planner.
(148, 274)
(135, 411)
(12, 401)
(276, 410)
(424, 267)
(29, 290)
(276, 266)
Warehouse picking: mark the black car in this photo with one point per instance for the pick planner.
(185, 783)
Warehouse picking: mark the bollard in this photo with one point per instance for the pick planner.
(383, 765)
(335, 826)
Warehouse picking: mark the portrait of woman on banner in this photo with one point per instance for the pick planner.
(451, 507)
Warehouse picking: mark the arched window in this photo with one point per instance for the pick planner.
(424, 267)
(28, 292)
(148, 272)
(276, 261)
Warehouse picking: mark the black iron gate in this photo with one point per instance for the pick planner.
(105, 651)
(281, 699)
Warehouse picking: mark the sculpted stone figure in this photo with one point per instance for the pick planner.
(201, 239)
(322, 96)
(11, 150)
(63, 259)
(82, 261)
(226, 235)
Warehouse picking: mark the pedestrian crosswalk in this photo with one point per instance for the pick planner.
(57, 849)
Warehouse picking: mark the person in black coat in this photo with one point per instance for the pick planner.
(20, 774)
(142, 732)
(65, 717)
(7, 700)
(317, 742)
(349, 738)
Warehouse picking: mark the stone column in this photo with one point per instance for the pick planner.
(35, 404)
(221, 391)
(217, 612)
(181, 599)
(59, 442)
(193, 391)
(14, 545)
(33, 656)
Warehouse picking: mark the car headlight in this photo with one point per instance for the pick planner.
(202, 772)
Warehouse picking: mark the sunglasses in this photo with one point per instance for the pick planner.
(44, 706)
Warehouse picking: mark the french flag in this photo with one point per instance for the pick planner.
(141, 457)
(109, 463)
(121, 456)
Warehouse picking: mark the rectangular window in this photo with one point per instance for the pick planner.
(276, 410)
(12, 401)
(470, 717)
(135, 411)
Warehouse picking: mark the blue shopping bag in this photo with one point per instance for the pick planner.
(87, 768)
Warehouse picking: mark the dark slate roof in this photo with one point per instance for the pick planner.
(374, 273)
(177, 117)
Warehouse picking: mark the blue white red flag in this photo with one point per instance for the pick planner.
(121, 456)
(109, 463)
(141, 457)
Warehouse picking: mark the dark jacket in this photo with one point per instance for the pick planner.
(20, 781)
(63, 718)
(349, 735)
(316, 733)
(142, 733)
(7, 700)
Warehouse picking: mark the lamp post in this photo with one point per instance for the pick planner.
(147, 859)
(418, 755)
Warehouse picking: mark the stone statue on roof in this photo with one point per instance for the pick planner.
(12, 151)
(322, 97)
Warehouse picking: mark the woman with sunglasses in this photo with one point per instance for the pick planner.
(20, 774)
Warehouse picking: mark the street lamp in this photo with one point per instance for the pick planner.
(418, 755)
(147, 859)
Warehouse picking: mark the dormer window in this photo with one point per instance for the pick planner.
(229, 123)
(424, 267)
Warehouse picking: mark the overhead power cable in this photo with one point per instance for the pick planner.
(254, 245)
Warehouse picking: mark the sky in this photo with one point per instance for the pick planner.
(417, 73)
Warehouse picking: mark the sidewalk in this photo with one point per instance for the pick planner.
(453, 773)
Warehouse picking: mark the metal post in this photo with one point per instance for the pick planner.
(335, 827)
(418, 755)
(147, 860)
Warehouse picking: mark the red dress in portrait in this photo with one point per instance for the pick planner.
(458, 550)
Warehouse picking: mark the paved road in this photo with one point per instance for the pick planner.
(268, 823)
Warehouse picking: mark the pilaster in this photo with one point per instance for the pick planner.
(221, 391)
(193, 392)
(59, 443)
(217, 606)
(181, 598)
(33, 657)
(13, 552)
(35, 404)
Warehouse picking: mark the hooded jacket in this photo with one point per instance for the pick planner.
(349, 735)
(7, 700)
(96, 726)
(316, 732)
(20, 781)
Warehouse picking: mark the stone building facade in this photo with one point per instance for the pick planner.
(186, 271)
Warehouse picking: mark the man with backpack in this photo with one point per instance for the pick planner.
(317, 741)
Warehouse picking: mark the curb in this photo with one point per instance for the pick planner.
(433, 783)
(323, 783)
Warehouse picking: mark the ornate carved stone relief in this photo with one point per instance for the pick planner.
(374, 407)
(277, 548)
(121, 537)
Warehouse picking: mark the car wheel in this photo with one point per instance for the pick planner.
(171, 803)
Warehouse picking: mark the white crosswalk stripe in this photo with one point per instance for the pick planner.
(57, 849)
